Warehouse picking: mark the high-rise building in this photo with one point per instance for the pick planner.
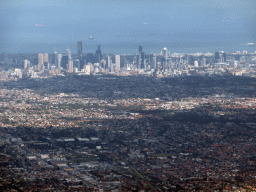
(139, 61)
(76, 64)
(217, 55)
(108, 62)
(56, 59)
(70, 66)
(165, 53)
(69, 54)
(26, 63)
(203, 62)
(224, 55)
(98, 55)
(141, 53)
(59, 57)
(46, 59)
(40, 59)
(64, 62)
(90, 58)
(117, 61)
(79, 49)
(154, 62)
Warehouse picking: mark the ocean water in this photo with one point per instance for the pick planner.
(151, 43)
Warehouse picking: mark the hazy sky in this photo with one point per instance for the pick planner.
(109, 21)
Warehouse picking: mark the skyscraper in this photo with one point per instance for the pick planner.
(217, 55)
(164, 51)
(56, 58)
(139, 61)
(141, 53)
(59, 60)
(117, 61)
(64, 62)
(154, 62)
(69, 54)
(98, 55)
(224, 55)
(46, 59)
(79, 49)
(40, 59)
(70, 66)
(108, 62)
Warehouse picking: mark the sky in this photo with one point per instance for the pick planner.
(39, 25)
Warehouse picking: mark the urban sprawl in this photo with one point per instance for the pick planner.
(144, 122)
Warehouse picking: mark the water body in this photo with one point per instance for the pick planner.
(152, 43)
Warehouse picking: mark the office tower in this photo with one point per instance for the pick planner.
(90, 58)
(154, 62)
(98, 55)
(64, 62)
(79, 49)
(69, 54)
(70, 66)
(139, 61)
(108, 62)
(40, 59)
(123, 61)
(140, 49)
(59, 60)
(56, 58)
(117, 61)
(76, 64)
(151, 60)
(142, 56)
(163, 63)
(145, 65)
(217, 55)
(165, 53)
(111, 66)
(203, 62)
(224, 55)
(46, 59)
(26, 63)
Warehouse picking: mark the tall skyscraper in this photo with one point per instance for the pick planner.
(56, 59)
(203, 62)
(59, 60)
(141, 54)
(217, 55)
(139, 61)
(224, 55)
(165, 53)
(69, 54)
(70, 66)
(154, 62)
(40, 59)
(117, 61)
(64, 62)
(79, 49)
(46, 59)
(108, 62)
(98, 55)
